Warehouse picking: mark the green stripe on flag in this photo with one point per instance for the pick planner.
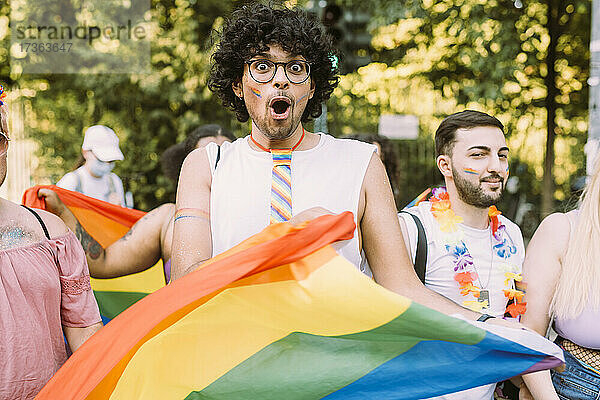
(112, 304)
(295, 361)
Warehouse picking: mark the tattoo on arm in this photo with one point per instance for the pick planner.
(127, 234)
(91, 247)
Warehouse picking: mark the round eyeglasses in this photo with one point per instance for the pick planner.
(263, 71)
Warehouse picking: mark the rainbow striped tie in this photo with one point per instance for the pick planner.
(281, 185)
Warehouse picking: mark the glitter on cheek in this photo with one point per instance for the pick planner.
(256, 92)
(470, 171)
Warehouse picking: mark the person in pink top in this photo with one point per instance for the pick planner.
(562, 271)
(44, 292)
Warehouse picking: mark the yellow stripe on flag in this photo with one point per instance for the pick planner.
(227, 329)
(146, 281)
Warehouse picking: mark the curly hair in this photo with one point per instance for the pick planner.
(250, 30)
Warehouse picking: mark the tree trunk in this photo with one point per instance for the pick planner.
(548, 185)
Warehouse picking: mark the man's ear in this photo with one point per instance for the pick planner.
(312, 88)
(4, 119)
(444, 164)
(237, 89)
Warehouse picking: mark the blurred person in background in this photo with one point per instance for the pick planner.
(172, 158)
(44, 292)
(150, 238)
(93, 176)
(386, 151)
(562, 271)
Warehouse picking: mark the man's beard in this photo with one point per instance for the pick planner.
(276, 133)
(273, 130)
(473, 194)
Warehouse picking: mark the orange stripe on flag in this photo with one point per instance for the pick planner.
(121, 215)
(101, 228)
(277, 245)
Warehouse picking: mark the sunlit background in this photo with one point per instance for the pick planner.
(425, 59)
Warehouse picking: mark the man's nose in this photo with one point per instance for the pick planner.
(280, 81)
(494, 164)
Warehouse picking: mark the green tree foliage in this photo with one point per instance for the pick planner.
(432, 58)
(4, 42)
(149, 112)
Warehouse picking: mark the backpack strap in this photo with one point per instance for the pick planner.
(112, 187)
(421, 255)
(37, 216)
(78, 186)
(218, 156)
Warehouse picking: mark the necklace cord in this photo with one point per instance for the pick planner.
(269, 150)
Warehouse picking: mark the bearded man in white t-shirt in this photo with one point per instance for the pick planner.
(474, 255)
(275, 66)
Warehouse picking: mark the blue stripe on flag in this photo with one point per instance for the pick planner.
(393, 379)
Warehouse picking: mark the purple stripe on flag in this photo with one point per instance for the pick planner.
(546, 363)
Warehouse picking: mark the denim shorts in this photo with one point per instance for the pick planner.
(576, 382)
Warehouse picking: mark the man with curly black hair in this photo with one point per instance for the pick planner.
(275, 66)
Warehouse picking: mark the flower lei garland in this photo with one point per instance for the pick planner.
(463, 261)
(2, 95)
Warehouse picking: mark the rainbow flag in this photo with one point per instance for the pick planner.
(282, 315)
(419, 198)
(106, 223)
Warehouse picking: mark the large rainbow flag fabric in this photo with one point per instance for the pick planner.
(106, 223)
(282, 315)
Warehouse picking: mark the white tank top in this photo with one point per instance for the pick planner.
(330, 175)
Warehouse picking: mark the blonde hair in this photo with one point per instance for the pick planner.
(578, 284)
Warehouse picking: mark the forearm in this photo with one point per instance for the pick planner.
(77, 336)
(192, 243)
(184, 262)
(139, 249)
(180, 265)
(180, 272)
(416, 291)
(442, 304)
(540, 385)
(404, 281)
(178, 268)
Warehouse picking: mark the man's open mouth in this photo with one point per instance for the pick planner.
(280, 107)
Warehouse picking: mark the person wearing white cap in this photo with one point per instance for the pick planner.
(94, 178)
